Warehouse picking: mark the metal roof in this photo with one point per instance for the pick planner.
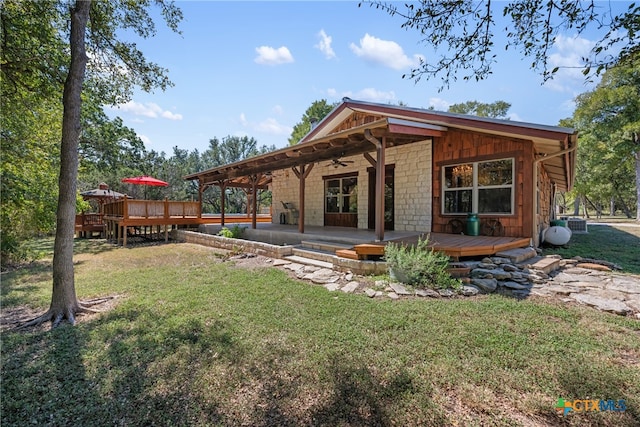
(398, 125)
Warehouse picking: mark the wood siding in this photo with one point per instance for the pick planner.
(459, 146)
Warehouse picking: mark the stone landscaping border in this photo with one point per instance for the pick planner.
(514, 273)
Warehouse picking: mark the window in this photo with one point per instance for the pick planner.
(482, 187)
(341, 195)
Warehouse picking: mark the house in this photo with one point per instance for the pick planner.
(386, 167)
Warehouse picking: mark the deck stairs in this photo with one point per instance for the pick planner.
(317, 252)
(528, 258)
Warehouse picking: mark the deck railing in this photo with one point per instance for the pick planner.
(151, 209)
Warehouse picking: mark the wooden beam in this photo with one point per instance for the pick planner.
(370, 159)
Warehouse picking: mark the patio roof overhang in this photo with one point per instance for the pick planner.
(350, 142)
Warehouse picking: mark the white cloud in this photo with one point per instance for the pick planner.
(568, 55)
(268, 55)
(366, 94)
(325, 45)
(277, 109)
(149, 109)
(268, 126)
(439, 104)
(145, 139)
(271, 126)
(384, 52)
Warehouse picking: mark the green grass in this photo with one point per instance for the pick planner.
(617, 243)
(193, 340)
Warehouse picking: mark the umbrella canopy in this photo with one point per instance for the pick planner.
(145, 180)
(101, 193)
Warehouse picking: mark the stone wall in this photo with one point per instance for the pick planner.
(413, 196)
(235, 245)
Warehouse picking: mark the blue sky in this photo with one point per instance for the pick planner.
(253, 68)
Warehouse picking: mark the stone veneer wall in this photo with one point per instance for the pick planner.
(413, 196)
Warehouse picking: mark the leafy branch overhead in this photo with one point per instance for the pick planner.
(462, 34)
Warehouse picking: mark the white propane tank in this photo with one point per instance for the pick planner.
(557, 235)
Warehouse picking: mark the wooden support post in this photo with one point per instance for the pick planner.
(302, 175)
(380, 177)
(200, 191)
(254, 200)
(223, 196)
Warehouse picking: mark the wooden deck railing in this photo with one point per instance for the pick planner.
(88, 223)
(126, 209)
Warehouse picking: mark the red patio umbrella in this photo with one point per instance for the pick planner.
(145, 180)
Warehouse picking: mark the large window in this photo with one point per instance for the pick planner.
(341, 195)
(479, 187)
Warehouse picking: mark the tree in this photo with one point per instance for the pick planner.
(608, 118)
(464, 31)
(316, 112)
(115, 68)
(496, 110)
(231, 149)
(30, 125)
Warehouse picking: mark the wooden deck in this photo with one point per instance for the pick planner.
(454, 245)
(123, 216)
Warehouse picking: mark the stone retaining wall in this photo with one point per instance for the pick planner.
(236, 245)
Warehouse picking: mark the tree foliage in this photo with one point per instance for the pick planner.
(461, 32)
(497, 109)
(316, 112)
(608, 119)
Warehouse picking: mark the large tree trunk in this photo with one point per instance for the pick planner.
(576, 206)
(64, 303)
(636, 142)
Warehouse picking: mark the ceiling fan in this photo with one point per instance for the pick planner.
(337, 162)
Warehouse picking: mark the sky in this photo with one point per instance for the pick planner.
(253, 68)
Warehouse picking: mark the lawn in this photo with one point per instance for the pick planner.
(192, 339)
(618, 243)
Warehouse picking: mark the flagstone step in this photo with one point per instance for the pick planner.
(312, 257)
(323, 245)
(518, 255)
(545, 264)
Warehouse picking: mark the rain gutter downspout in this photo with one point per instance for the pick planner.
(535, 185)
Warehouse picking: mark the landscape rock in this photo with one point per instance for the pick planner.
(447, 293)
(323, 275)
(487, 265)
(515, 285)
(612, 306)
(500, 274)
(481, 273)
(350, 287)
(293, 266)
(427, 293)
(624, 284)
(332, 286)
(370, 292)
(486, 285)
(399, 289)
(592, 266)
(393, 295)
(469, 290)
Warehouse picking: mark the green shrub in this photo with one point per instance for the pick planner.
(234, 232)
(419, 265)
